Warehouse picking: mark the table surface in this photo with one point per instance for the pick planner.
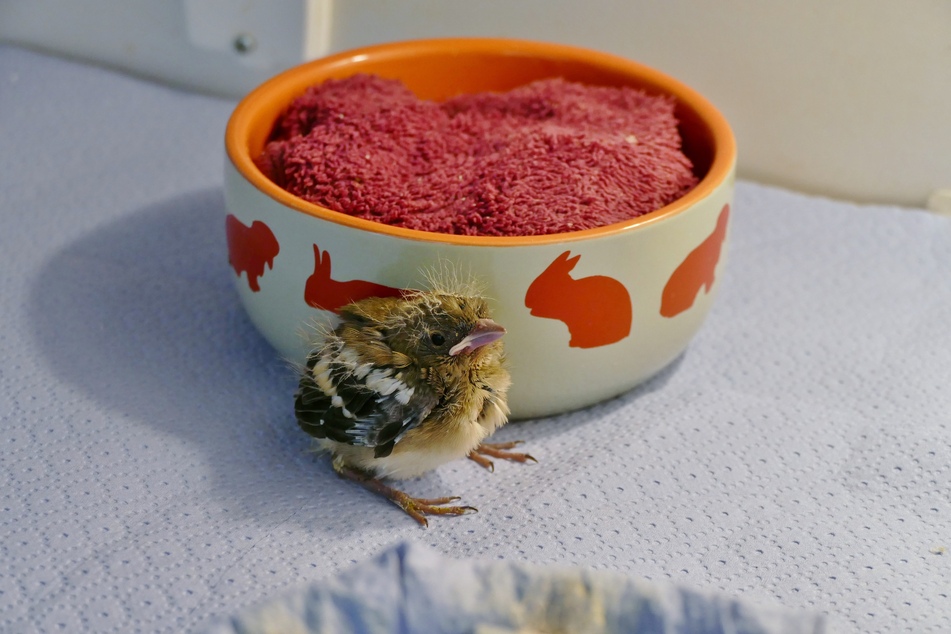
(152, 476)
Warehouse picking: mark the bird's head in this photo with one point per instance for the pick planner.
(443, 335)
(444, 329)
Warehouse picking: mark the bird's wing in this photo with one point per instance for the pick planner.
(357, 404)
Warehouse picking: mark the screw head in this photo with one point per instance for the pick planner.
(244, 43)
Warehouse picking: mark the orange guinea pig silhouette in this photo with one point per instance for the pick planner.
(695, 271)
(250, 249)
(326, 293)
(596, 309)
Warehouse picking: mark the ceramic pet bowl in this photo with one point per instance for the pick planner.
(589, 314)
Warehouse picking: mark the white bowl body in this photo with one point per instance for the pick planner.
(571, 353)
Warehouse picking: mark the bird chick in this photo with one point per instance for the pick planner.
(405, 384)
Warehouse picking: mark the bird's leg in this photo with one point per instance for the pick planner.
(498, 450)
(417, 508)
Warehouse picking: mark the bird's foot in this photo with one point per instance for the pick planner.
(498, 450)
(417, 508)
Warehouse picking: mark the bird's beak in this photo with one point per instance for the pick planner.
(485, 331)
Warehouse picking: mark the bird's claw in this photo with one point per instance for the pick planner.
(482, 461)
(498, 450)
(417, 508)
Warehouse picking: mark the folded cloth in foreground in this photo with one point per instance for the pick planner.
(409, 589)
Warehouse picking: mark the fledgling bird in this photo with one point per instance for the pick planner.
(405, 384)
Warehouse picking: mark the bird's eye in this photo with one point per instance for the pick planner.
(437, 338)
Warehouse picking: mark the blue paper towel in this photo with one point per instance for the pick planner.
(152, 477)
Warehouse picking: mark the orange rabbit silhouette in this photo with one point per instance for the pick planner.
(322, 291)
(695, 271)
(596, 309)
(250, 249)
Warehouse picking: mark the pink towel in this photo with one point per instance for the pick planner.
(549, 157)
